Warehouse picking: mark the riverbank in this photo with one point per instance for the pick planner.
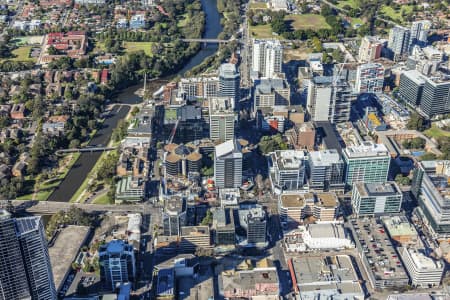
(72, 184)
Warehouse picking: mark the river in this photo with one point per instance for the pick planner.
(86, 161)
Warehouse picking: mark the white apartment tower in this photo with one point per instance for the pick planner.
(221, 118)
(419, 33)
(267, 57)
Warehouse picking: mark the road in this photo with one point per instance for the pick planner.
(87, 160)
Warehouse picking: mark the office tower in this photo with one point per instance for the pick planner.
(224, 227)
(369, 78)
(436, 96)
(117, 263)
(33, 244)
(419, 33)
(174, 215)
(228, 164)
(411, 87)
(271, 92)
(376, 198)
(287, 169)
(25, 270)
(367, 163)
(229, 82)
(221, 119)
(181, 160)
(328, 99)
(267, 57)
(13, 279)
(303, 136)
(370, 49)
(430, 187)
(252, 218)
(194, 237)
(398, 44)
(325, 170)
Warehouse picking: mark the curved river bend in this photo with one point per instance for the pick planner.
(86, 161)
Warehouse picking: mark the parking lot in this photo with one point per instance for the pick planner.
(381, 258)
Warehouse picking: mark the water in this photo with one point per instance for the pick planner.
(86, 162)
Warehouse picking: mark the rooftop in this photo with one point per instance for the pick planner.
(268, 85)
(415, 76)
(294, 200)
(227, 148)
(423, 262)
(399, 226)
(377, 189)
(64, 250)
(288, 159)
(28, 224)
(326, 230)
(324, 157)
(313, 274)
(194, 230)
(365, 150)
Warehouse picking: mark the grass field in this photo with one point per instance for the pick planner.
(258, 5)
(307, 21)
(103, 199)
(396, 15)
(351, 3)
(137, 46)
(435, 132)
(262, 32)
(21, 54)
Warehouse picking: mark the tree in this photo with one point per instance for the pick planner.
(207, 220)
(402, 180)
(52, 50)
(416, 122)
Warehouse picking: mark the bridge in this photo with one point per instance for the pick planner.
(52, 207)
(88, 149)
(207, 41)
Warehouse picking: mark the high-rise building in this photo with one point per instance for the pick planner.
(419, 33)
(13, 279)
(252, 218)
(430, 186)
(271, 92)
(369, 78)
(436, 96)
(174, 215)
(398, 44)
(267, 57)
(367, 163)
(228, 164)
(376, 198)
(229, 82)
(287, 169)
(325, 170)
(411, 87)
(224, 227)
(117, 263)
(328, 99)
(370, 49)
(25, 270)
(33, 244)
(221, 119)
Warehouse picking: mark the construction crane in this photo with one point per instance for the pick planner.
(172, 133)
